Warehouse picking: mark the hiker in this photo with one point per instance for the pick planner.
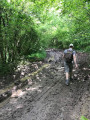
(69, 58)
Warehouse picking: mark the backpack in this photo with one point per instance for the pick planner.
(68, 56)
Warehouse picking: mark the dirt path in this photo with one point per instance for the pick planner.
(48, 98)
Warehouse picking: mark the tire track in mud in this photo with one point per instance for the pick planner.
(58, 103)
(41, 103)
(52, 105)
(36, 98)
(44, 105)
(55, 101)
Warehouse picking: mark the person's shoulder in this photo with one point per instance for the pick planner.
(65, 50)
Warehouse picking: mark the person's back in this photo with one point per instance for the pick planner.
(69, 57)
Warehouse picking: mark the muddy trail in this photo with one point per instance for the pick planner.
(46, 97)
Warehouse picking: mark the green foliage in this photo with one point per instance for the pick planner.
(64, 22)
(40, 55)
(83, 118)
(18, 33)
(28, 25)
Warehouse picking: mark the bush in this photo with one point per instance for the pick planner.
(40, 55)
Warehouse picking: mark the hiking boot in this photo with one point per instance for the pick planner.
(67, 82)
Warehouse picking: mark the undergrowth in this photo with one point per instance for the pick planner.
(83, 118)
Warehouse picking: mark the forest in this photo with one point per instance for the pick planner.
(28, 29)
(32, 26)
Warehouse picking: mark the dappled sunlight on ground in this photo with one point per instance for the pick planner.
(18, 93)
(37, 87)
(19, 106)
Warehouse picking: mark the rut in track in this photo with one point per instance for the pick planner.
(50, 99)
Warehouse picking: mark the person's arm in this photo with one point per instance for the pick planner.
(64, 53)
(74, 58)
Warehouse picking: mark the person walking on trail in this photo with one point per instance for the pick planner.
(69, 58)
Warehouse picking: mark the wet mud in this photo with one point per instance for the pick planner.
(46, 97)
